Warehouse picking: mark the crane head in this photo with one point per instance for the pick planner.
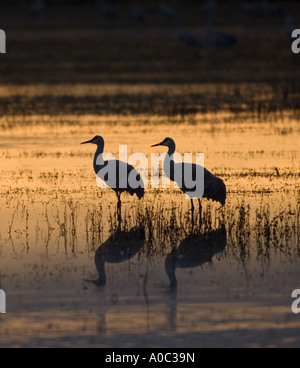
(96, 140)
(166, 143)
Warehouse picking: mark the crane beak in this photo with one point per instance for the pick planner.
(156, 145)
(87, 142)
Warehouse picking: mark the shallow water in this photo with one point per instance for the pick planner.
(235, 273)
(160, 282)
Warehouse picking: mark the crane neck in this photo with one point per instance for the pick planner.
(100, 149)
(172, 149)
(169, 162)
(97, 159)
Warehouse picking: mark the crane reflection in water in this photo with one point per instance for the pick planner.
(195, 251)
(121, 246)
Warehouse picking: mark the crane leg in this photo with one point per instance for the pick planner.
(193, 207)
(193, 211)
(200, 210)
(119, 208)
(119, 201)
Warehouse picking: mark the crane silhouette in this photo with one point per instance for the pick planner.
(106, 10)
(209, 7)
(116, 174)
(37, 8)
(189, 38)
(139, 13)
(167, 11)
(252, 10)
(272, 10)
(289, 25)
(265, 9)
(195, 251)
(218, 39)
(214, 187)
(118, 248)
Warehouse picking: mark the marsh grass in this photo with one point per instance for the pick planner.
(51, 204)
(259, 232)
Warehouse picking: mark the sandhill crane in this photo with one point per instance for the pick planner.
(167, 11)
(218, 39)
(120, 247)
(106, 10)
(289, 25)
(266, 8)
(195, 251)
(37, 8)
(139, 13)
(272, 10)
(189, 38)
(252, 10)
(214, 187)
(209, 7)
(116, 173)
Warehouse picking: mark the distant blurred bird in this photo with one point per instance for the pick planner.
(252, 10)
(209, 7)
(120, 247)
(37, 8)
(118, 174)
(106, 10)
(218, 39)
(189, 38)
(289, 26)
(266, 8)
(139, 13)
(167, 11)
(272, 10)
(195, 251)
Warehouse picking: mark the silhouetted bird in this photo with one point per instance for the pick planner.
(252, 10)
(189, 38)
(139, 13)
(219, 39)
(272, 10)
(37, 8)
(116, 174)
(214, 187)
(208, 8)
(106, 10)
(265, 9)
(289, 26)
(167, 11)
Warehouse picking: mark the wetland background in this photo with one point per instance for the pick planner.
(70, 73)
